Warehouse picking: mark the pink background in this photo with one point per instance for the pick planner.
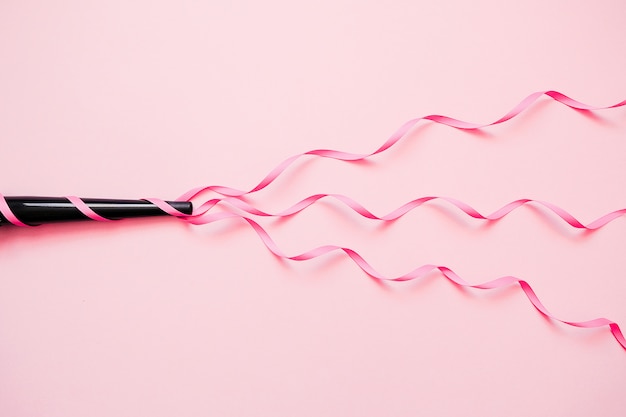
(138, 99)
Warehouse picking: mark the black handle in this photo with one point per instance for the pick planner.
(38, 210)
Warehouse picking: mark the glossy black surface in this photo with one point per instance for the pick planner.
(38, 210)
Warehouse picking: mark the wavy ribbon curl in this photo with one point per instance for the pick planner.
(395, 138)
(406, 208)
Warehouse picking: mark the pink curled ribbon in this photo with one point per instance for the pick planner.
(201, 214)
(86, 210)
(393, 139)
(301, 205)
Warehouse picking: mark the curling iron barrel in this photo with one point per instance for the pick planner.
(38, 210)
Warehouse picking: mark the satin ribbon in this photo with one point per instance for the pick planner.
(201, 214)
(402, 210)
(393, 139)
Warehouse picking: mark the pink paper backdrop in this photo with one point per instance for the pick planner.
(138, 99)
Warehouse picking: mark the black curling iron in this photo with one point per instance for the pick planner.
(38, 210)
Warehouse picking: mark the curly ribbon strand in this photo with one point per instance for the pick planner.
(404, 209)
(393, 139)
